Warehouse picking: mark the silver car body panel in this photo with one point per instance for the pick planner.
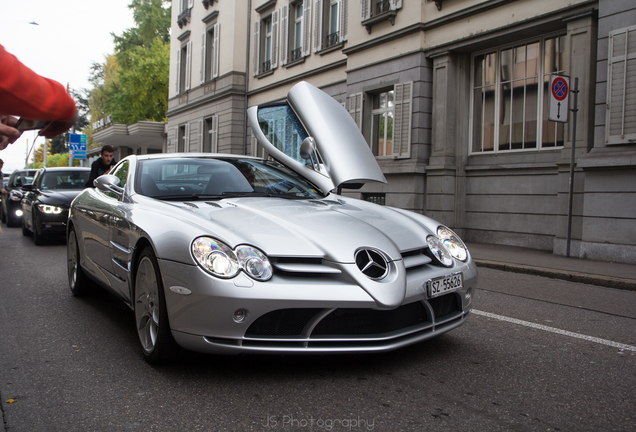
(346, 156)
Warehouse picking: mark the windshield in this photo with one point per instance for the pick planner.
(208, 178)
(59, 180)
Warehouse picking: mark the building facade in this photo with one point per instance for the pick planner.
(452, 97)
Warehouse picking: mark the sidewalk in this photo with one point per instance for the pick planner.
(544, 263)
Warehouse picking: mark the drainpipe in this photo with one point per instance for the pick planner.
(247, 70)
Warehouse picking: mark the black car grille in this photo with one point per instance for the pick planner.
(350, 322)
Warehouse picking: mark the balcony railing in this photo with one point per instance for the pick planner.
(332, 39)
(382, 7)
(296, 54)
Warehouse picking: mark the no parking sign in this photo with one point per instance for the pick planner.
(559, 94)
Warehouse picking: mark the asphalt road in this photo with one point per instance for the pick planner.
(536, 355)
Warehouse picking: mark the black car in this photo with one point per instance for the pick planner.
(47, 200)
(11, 210)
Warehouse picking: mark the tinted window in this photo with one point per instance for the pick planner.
(64, 180)
(200, 178)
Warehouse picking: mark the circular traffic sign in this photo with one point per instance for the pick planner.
(559, 88)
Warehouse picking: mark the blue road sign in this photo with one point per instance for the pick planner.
(77, 146)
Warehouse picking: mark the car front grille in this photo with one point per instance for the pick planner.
(313, 323)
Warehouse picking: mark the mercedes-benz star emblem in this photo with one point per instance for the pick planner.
(372, 263)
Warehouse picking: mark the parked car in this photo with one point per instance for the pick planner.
(46, 201)
(234, 254)
(11, 210)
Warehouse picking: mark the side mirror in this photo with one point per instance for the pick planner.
(309, 153)
(308, 148)
(109, 183)
(27, 187)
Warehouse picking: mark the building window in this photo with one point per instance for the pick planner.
(330, 23)
(183, 68)
(387, 126)
(511, 88)
(382, 124)
(297, 47)
(295, 31)
(210, 135)
(210, 48)
(266, 43)
(182, 138)
(375, 198)
(620, 122)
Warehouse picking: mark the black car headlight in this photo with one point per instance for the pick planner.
(49, 209)
(219, 259)
(453, 243)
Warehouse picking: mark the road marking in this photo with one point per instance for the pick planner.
(556, 330)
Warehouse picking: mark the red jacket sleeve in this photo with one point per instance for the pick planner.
(26, 94)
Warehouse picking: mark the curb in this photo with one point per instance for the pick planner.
(571, 276)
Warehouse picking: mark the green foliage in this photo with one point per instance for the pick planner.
(55, 160)
(141, 89)
(132, 84)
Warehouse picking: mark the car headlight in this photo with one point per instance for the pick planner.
(453, 243)
(439, 251)
(254, 262)
(219, 259)
(49, 209)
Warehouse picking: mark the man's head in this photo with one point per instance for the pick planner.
(107, 154)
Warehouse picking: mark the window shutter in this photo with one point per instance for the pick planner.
(173, 146)
(177, 86)
(201, 137)
(365, 9)
(620, 123)
(217, 50)
(355, 108)
(190, 4)
(306, 36)
(214, 136)
(284, 34)
(188, 64)
(318, 12)
(402, 120)
(275, 18)
(343, 10)
(202, 69)
(257, 45)
(395, 4)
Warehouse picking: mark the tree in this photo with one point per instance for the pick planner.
(132, 85)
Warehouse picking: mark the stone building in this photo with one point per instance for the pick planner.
(452, 97)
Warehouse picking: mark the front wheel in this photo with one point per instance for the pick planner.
(38, 238)
(77, 279)
(151, 314)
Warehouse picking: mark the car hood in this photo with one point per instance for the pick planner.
(332, 228)
(58, 197)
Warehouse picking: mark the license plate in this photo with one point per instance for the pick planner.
(444, 284)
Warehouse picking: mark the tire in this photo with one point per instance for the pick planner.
(38, 238)
(25, 231)
(151, 315)
(10, 221)
(77, 280)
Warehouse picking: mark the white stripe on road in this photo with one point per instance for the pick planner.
(556, 330)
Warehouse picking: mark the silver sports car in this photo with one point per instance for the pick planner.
(233, 254)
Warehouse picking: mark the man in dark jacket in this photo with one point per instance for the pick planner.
(102, 165)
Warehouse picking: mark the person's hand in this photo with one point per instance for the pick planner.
(56, 128)
(8, 133)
